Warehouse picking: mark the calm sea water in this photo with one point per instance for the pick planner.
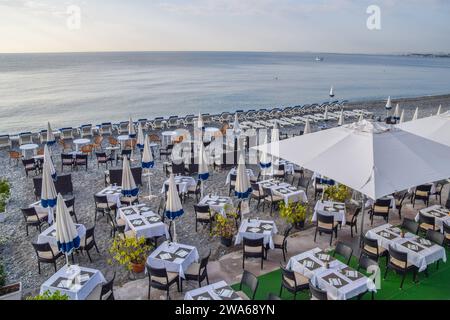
(72, 89)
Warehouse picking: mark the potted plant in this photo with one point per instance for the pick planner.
(338, 193)
(224, 228)
(48, 295)
(130, 252)
(11, 291)
(5, 194)
(294, 213)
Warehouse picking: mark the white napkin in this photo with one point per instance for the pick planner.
(182, 253)
(165, 256)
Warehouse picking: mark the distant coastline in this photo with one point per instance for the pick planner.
(428, 55)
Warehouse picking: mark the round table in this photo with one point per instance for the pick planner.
(168, 135)
(80, 142)
(29, 146)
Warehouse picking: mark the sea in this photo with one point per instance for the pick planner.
(71, 89)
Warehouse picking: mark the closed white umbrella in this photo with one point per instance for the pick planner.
(140, 137)
(129, 188)
(361, 117)
(331, 92)
(373, 158)
(50, 136)
(48, 192)
(275, 133)
(200, 124)
(325, 115)
(48, 159)
(131, 130)
(416, 114)
(203, 169)
(66, 233)
(242, 187)
(307, 127)
(397, 112)
(388, 106)
(341, 118)
(402, 116)
(174, 209)
(265, 160)
(439, 110)
(236, 126)
(147, 163)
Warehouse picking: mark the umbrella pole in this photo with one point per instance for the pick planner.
(363, 205)
(174, 231)
(201, 188)
(67, 259)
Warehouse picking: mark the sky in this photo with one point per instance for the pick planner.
(224, 25)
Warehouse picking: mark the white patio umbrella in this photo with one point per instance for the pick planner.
(131, 130)
(174, 209)
(200, 124)
(402, 116)
(307, 128)
(236, 126)
(436, 128)
(48, 159)
(66, 233)
(439, 110)
(203, 169)
(242, 187)
(48, 192)
(265, 160)
(341, 118)
(373, 158)
(325, 114)
(147, 163)
(388, 106)
(129, 188)
(140, 137)
(416, 114)
(361, 117)
(397, 112)
(50, 136)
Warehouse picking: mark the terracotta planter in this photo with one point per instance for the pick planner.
(226, 241)
(137, 267)
(11, 292)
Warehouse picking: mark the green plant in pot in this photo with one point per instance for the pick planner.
(130, 252)
(224, 227)
(294, 213)
(47, 295)
(337, 193)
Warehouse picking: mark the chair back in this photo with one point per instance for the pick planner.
(410, 225)
(251, 281)
(29, 212)
(201, 208)
(344, 250)
(137, 175)
(233, 177)
(316, 293)
(365, 262)
(70, 203)
(42, 247)
(355, 216)
(100, 199)
(256, 187)
(178, 168)
(106, 128)
(25, 138)
(37, 184)
(325, 221)
(193, 168)
(64, 184)
(156, 273)
(382, 205)
(115, 176)
(28, 162)
(398, 258)
(446, 227)
(107, 288)
(423, 218)
(370, 243)
(254, 243)
(303, 183)
(436, 237)
(204, 262)
(423, 189)
(66, 156)
(67, 133)
(287, 276)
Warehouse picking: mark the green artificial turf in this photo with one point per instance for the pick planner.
(435, 287)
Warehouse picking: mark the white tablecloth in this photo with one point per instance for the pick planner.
(250, 174)
(113, 194)
(76, 292)
(288, 166)
(284, 189)
(387, 235)
(440, 214)
(245, 231)
(150, 223)
(179, 264)
(216, 203)
(310, 265)
(338, 215)
(49, 234)
(211, 292)
(184, 183)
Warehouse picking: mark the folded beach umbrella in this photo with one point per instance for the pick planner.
(361, 117)
(416, 114)
(265, 160)
(200, 124)
(48, 159)
(48, 192)
(203, 169)
(131, 130)
(402, 116)
(307, 127)
(66, 233)
(140, 137)
(242, 188)
(50, 136)
(236, 126)
(388, 105)
(341, 118)
(439, 110)
(129, 188)
(397, 112)
(147, 156)
(332, 92)
(174, 209)
(275, 133)
(325, 114)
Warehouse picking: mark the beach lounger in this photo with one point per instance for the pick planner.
(66, 133)
(172, 122)
(5, 141)
(206, 118)
(25, 138)
(105, 129)
(274, 113)
(143, 123)
(86, 131)
(188, 120)
(158, 123)
(225, 116)
(42, 136)
(250, 115)
(122, 128)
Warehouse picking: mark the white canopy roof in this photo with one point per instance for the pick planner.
(373, 158)
(436, 128)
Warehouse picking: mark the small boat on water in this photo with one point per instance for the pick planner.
(319, 59)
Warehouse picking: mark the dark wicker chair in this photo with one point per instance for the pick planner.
(280, 241)
(353, 221)
(160, 279)
(32, 218)
(253, 248)
(70, 204)
(380, 208)
(343, 250)
(398, 261)
(293, 282)
(107, 292)
(88, 242)
(327, 225)
(422, 193)
(30, 165)
(66, 161)
(316, 293)
(372, 249)
(46, 254)
(199, 271)
(410, 225)
(250, 281)
(64, 184)
(203, 215)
